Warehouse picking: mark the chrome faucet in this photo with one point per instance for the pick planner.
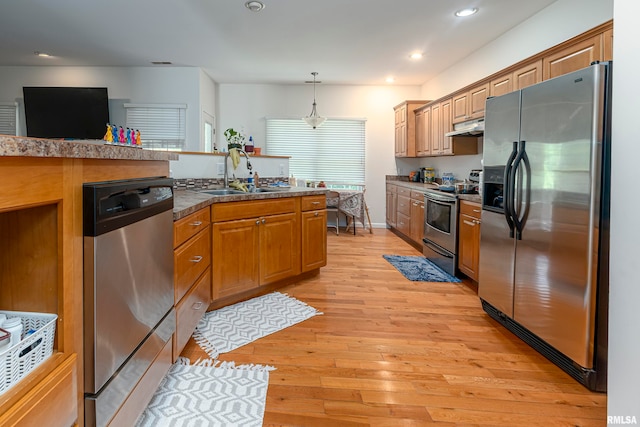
(226, 170)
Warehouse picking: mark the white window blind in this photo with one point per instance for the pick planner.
(161, 126)
(334, 152)
(8, 118)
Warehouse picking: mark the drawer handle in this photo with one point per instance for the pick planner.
(196, 259)
(315, 203)
(476, 210)
(197, 306)
(471, 223)
(196, 223)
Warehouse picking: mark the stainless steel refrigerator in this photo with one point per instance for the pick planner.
(544, 245)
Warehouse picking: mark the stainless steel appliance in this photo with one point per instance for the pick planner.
(545, 237)
(128, 290)
(440, 229)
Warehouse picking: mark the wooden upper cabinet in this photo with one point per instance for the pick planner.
(446, 126)
(437, 135)
(501, 85)
(572, 58)
(607, 45)
(469, 105)
(527, 75)
(405, 128)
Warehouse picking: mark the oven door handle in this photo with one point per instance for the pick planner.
(437, 249)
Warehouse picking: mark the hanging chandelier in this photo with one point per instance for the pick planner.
(314, 120)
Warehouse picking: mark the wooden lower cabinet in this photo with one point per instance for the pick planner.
(417, 216)
(191, 274)
(469, 238)
(262, 242)
(392, 198)
(403, 212)
(51, 402)
(314, 233)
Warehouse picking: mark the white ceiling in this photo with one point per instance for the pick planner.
(345, 41)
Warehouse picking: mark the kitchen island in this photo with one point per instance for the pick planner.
(42, 258)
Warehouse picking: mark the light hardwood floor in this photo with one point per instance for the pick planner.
(390, 352)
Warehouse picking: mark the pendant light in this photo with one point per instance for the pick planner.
(314, 120)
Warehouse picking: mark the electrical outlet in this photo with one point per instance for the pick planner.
(220, 168)
(281, 170)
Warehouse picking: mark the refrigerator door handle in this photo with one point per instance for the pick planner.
(523, 158)
(508, 193)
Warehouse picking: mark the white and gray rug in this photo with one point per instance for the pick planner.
(209, 394)
(230, 327)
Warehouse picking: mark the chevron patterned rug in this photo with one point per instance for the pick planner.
(230, 327)
(205, 394)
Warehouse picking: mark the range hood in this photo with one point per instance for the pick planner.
(470, 128)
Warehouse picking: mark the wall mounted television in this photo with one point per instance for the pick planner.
(66, 112)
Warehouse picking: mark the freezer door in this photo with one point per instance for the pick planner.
(555, 280)
(497, 256)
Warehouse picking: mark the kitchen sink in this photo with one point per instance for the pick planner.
(223, 192)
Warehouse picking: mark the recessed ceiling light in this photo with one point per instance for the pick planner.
(41, 54)
(466, 12)
(416, 55)
(390, 79)
(254, 5)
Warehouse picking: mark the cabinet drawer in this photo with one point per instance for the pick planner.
(51, 402)
(253, 209)
(311, 203)
(404, 205)
(190, 225)
(417, 195)
(190, 310)
(403, 191)
(190, 260)
(392, 188)
(404, 224)
(470, 208)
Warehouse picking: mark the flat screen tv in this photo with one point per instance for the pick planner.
(66, 112)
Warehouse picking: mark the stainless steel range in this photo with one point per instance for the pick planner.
(440, 229)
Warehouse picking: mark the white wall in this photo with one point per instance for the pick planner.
(137, 84)
(246, 106)
(624, 315)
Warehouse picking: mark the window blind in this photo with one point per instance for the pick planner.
(334, 152)
(161, 126)
(8, 118)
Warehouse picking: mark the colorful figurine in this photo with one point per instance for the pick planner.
(138, 140)
(121, 137)
(114, 134)
(108, 136)
(129, 140)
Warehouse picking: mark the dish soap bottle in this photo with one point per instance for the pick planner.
(256, 180)
(248, 147)
(250, 181)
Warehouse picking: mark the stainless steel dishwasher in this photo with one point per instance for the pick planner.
(128, 290)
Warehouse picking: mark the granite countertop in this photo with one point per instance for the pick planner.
(186, 202)
(419, 186)
(20, 146)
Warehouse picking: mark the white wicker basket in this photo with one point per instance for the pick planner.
(22, 357)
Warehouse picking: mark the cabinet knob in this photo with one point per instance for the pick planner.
(196, 259)
(316, 214)
(264, 220)
(257, 222)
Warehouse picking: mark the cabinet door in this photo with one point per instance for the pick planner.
(477, 100)
(446, 126)
(459, 107)
(417, 220)
(236, 251)
(426, 131)
(501, 85)
(572, 58)
(528, 75)
(401, 131)
(279, 247)
(314, 240)
(420, 140)
(436, 130)
(391, 205)
(607, 45)
(469, 239)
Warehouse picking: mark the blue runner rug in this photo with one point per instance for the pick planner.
(419, 269)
